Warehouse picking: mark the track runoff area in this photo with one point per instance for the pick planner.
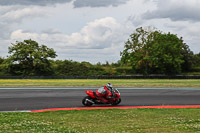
(132, 98)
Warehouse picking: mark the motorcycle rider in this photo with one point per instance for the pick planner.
(103, 93)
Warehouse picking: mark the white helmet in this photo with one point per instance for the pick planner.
(109, 85)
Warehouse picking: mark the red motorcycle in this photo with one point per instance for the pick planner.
(92, 98)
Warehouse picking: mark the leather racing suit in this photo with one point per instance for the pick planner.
(104, 94)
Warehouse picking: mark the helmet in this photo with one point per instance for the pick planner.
(109, 85)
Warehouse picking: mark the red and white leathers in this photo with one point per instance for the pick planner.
(103, 94)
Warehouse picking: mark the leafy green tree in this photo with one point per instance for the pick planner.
(153, 52)
(196, 62)
(3, 71)
(188, 57)
(1, 60)
(29, 58)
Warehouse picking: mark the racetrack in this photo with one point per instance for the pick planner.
(13, 99)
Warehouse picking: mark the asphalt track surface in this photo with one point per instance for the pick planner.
(16, 99)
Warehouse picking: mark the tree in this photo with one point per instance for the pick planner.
(153, 52)
(2, 66)
(188, 57)
(196, 62)
(1, 60)
(29, 58)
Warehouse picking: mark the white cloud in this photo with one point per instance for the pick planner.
(176, 10)
(13, 16)
(32, 2)
(98, 34)
(77, 3)
(98, 3)
(103, 35)
(17, 15)
(4, 47)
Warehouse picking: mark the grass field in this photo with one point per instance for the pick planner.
(104, 121)
(99, 82)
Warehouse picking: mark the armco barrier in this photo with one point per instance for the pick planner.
(105, 77)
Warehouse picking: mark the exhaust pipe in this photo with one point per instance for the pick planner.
(90, 101)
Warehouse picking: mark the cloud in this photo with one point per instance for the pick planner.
(14, 16)
(31, 2)
(176, 10)
(96, 40)
(51, 31)
(98, 34)
(4, 47)
(77, 3)
(98, 3)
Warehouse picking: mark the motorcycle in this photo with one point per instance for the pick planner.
(92, 98)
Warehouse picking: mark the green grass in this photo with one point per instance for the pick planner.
(104, 121)
(99, 82)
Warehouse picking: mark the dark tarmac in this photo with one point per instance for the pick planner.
(32, 99)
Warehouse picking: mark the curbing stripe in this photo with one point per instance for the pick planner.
(129, 107)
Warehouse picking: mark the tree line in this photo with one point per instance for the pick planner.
(147, 51)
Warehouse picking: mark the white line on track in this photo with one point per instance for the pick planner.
(84, 88)
(16, 111)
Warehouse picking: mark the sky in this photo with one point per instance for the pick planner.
(94, 30)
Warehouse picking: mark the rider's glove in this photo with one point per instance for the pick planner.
(113, 95)
(110, 97)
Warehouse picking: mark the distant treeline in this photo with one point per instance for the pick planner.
(74, 68)
(66, 68)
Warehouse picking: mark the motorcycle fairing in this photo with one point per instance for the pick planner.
(90, 93)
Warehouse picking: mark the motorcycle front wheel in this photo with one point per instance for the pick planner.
(116, 102)
(87, 101)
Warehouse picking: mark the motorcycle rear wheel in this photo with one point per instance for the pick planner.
(85, 101)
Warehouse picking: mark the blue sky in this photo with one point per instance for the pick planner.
(94, 30)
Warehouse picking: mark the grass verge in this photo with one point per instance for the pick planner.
(99, 82)
(103, 121)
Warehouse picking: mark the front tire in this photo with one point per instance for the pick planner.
(116, 102)
(86, 101)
